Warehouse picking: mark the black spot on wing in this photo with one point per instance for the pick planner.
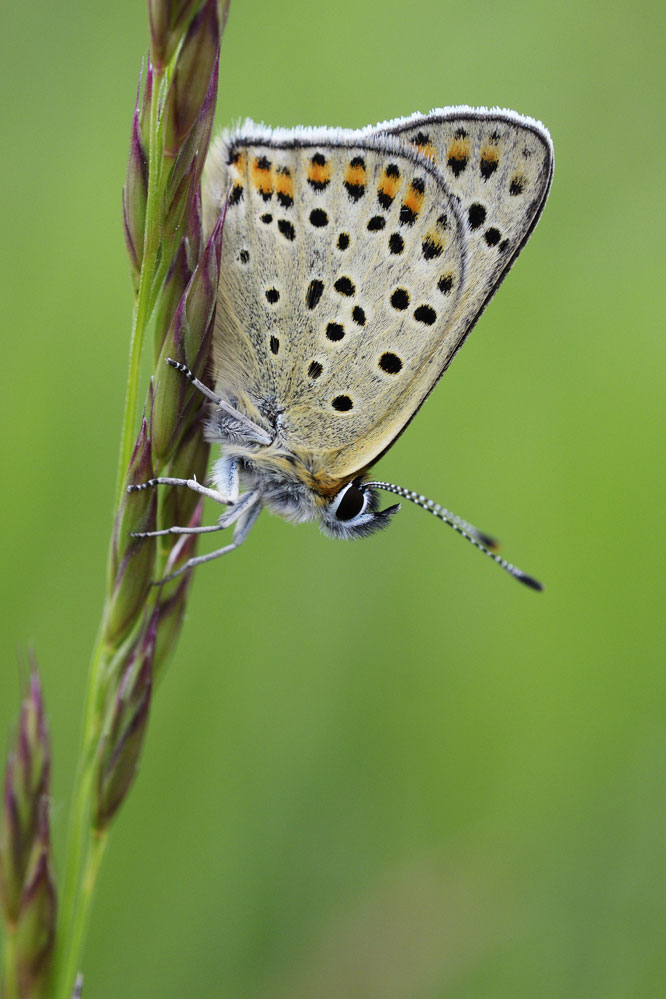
(457, 164)
(425, 314)
(345, 286)
(431, 248)
(318, 218)
(236, 195)
(390, 363)
(396, 243)
(314, 293)
(476, 215)
(335, 332)
(407, 215)
(287, 229)
(487, 166)
(400, 299)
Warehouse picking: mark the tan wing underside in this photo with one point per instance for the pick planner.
(342, 266)
(499, 170)
(499, 166)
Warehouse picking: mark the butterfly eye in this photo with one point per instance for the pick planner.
(353, 513)
(352, 502)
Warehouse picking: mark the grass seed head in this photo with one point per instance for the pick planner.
(27, 884)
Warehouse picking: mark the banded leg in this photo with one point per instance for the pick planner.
(192, 484)
(244, 525)
(253, 431)
(226, 520)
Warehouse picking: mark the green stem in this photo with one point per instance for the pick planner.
(94, 855)
(144, 302)
(10, 979)
(86, 848)
(79, 830)
(160, 278)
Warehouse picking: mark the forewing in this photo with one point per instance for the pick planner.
(343, 267)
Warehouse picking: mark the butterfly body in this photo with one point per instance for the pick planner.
(354, 265)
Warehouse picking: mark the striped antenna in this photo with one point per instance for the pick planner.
(477, 538)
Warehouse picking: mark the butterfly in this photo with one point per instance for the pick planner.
(354, 266)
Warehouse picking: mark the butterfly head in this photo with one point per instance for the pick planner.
(346, 510)
(354, 512)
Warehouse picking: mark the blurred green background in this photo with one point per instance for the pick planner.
(379, 770)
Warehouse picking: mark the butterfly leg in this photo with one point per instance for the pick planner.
(244, 525)
(226, 520)
(251, 431)
(193, 484)
(226, 477)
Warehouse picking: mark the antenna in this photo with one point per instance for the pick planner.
(477, 538)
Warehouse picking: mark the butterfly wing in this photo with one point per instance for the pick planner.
(499, 165)
(343, 263)
(356, 263)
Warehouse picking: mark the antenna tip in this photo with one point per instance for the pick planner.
(489, 542)
(530, 581)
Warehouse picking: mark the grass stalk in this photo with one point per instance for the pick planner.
(10, 965)
(95, 849)
(140, 622)
(146, 299)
